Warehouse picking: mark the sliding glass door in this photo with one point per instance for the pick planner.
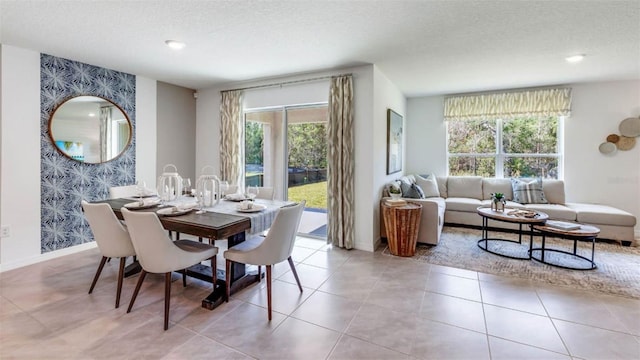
(285, 148)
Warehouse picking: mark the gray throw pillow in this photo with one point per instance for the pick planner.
(417, 189)
(411, 191)
(528, 192)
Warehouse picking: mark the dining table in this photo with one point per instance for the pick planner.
(225, 220)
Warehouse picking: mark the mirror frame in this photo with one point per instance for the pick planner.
(53, 141)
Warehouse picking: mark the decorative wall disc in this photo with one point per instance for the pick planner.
(613, 138)
(607, 148)
(630, 127)
(626, 143)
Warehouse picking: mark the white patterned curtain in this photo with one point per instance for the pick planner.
(105, 132)
(340, 165)
(509, 105)
(231, 136)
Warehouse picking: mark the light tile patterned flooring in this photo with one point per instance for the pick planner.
(355, 305)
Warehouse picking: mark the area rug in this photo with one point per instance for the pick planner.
(617, 272)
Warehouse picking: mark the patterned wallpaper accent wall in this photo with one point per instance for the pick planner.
(65, 182)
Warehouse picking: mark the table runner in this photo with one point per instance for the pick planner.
(260, 221)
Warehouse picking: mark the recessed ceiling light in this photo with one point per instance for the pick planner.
(174, 44)
(574, 58)
(92, 114)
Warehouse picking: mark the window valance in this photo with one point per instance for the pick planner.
(509, 105)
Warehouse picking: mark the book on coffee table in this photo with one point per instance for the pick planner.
(562, 225)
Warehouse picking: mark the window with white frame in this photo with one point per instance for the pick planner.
(520, 147)
(514, 134)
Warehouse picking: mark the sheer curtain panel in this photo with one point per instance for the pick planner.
(231, 136)
(340, 164)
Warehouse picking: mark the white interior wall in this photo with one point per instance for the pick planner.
(20, 172)
(146, 139)
(426, 136)
(0, 148)
(592, 177)
(597, 109)
(385, 96)
(208, 130)
(176, 129)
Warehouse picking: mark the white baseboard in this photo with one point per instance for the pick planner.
(47, 256)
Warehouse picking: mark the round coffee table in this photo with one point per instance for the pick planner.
(510, 215)
(584, 233)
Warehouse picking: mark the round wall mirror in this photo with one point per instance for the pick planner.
(90, 129)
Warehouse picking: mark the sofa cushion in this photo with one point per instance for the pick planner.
(465, 187)
(528, 191)
(494, 185)
(602, 214)
(553, 191)
(555, 211)
(442, 185)
(429, 185)
(462, 204)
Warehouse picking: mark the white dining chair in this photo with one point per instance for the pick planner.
(126, 191)
(158, 254)
(270, 250)
(265, 192)
(112, 238)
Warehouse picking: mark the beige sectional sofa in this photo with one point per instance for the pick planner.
(458, 197)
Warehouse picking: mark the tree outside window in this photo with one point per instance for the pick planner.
(521, 147)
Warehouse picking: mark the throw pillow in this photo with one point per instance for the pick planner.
(405, 187)
(416, 188)
(528, 192)
(429, 185)
(413, 191)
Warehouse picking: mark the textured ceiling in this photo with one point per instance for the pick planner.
(424, 47)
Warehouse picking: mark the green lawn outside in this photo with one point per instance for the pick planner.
(315, 194)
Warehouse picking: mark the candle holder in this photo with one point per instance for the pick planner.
(207, 189)
(169, 184)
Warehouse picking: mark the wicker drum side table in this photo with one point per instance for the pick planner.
(402, 223)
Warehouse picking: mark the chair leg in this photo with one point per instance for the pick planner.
(228, 279)
(120, 277)
(167, 298)
(295, 273)
(184, 277)
(214, 271)
(135, 292)
(269, 290)
(95, 278)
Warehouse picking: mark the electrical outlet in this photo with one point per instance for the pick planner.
(6, 232)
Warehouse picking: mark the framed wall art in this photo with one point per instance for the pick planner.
(394, 142)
